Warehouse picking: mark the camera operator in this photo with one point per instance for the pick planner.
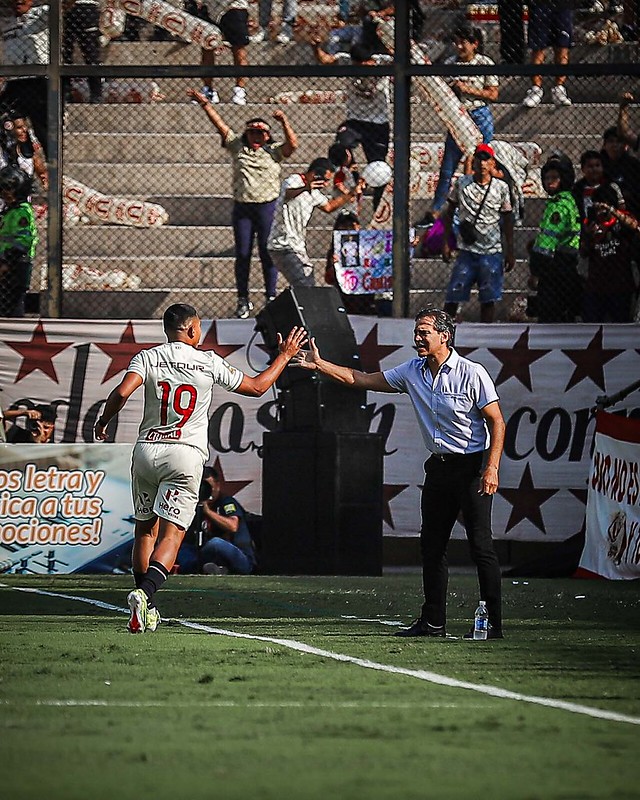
(38, 430)
(299, 195)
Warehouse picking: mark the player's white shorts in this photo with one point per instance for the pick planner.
(165, 481)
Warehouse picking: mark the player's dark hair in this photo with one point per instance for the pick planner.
(588, 155)
(442, 321)
(321, 165)
(177, 316)
(346, 221)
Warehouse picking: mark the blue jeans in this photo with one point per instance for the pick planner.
(289, 11)
(225, 554)
(485, 271)
(452, 154)
(250, 220)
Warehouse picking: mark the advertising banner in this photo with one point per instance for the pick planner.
(612, 540)
(547, 376)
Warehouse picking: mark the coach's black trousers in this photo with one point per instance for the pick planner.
(450, 487)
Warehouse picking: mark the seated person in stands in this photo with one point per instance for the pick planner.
(218, 541)
(39, 429)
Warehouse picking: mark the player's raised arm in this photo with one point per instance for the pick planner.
(311, 359)
(287, 349)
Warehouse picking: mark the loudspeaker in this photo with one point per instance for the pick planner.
(308, 400)
(322, 504)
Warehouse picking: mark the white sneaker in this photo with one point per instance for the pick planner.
(211, 95)
(560, 97)
(259, 36)
(533, 97)
(239, 96)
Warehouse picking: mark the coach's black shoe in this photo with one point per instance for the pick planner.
(492, 633)
(420, 628)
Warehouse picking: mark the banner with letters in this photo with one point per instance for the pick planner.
(547, 376)
(612, 539)
(65, 508)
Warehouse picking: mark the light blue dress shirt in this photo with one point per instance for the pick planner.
(448, 405)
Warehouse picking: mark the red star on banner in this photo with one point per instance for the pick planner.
(517, 360)
(590, 361)
(231, 488)
(526, 501)
(389, 491)
(38, 353)
(123, 351)
(372, 353)
(210, 342)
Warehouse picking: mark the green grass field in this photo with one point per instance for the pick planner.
(89, 711)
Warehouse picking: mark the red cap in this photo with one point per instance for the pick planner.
(484, 148)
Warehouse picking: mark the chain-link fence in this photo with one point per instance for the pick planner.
(159, 191)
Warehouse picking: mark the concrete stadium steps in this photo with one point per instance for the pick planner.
(194, 242)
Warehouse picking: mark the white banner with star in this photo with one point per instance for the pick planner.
(612, 536)
(548, 378)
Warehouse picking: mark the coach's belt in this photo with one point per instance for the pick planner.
(454, 456)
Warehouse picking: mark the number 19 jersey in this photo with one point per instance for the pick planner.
(178, 381)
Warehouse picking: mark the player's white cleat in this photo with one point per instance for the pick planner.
(137, 601)
(153, 619)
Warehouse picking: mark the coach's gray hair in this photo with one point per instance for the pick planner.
(442, 321)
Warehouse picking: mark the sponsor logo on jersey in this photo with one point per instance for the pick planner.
(182, 365)
(169, 497)
(155, 435)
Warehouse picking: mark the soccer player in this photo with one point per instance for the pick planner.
(172, 444)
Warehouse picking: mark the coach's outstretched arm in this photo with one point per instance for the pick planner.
(287, 349)
(311, 359)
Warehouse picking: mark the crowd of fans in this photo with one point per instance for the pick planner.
(582, 262)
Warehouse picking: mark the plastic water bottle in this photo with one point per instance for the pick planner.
(481, 621)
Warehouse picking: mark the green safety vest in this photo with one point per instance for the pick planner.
(559, 227)
(18, 230)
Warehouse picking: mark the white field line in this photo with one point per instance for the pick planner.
(231, 704)
(423, 675)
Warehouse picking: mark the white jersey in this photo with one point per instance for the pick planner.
(178, 381)
(291, 217)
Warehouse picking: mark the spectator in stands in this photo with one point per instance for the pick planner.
(368, 106)
(592, 178)
(512, 43)
(484, 208)
(40, 428)
(299, 195)
(256, 162)
(554, 252)
(18, 239)
(289, 13)
(475, 93)
(26, 41)
(81, 24)
(232, 18)
(19, 147)
(353, 303)
(550, 25)
(622, 168)
(610, 242)
(346, 175)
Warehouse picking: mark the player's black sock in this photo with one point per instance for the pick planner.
(138, 578)
(153, 579)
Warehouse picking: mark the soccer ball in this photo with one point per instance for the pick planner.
(377, 173)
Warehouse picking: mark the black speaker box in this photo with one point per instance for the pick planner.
(308, 400)
(322, 504)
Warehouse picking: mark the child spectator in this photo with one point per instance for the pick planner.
(610, 238)
(592, 178)
(554, 254)
(18, 239)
